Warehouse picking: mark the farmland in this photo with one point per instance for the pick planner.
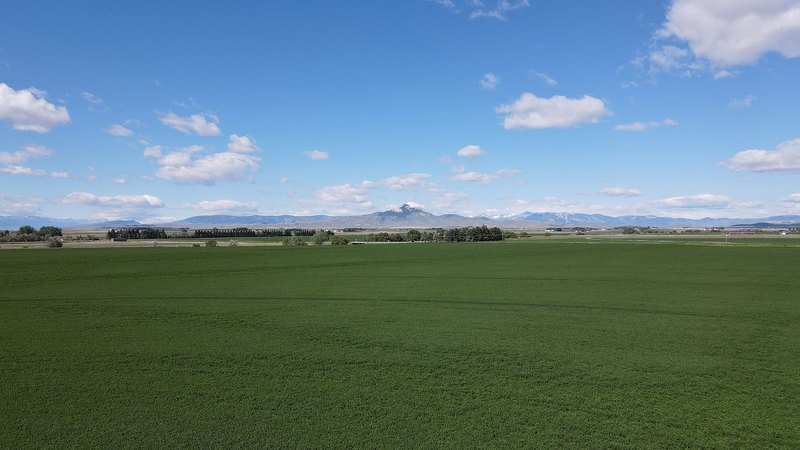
(570, 342)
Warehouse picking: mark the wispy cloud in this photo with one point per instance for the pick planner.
(316, 155)
(744, 102)
(642, 126)
(199, 124)
(543, 77)
(489, 82)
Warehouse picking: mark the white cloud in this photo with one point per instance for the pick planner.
(722, 74)
(446, 200)
(242, 144)
(489, 81)
(470, 151)
(696, 201)
(199, 124)
(91, 98)
(113, 207)
(785, 158)
(744, 102)
(119, 130)
(22, 206)
(59, 174)
(671, 58)
(532, 112)
(407, 181)
(27, 110)
(484, 178)
(730, 33)
(500, 9)
(130, 201)
(22, 170)
(641, 126)
(179, 167)
(620, 192)
(222, 206)
(316, 155)
(349, 195)
(21, 156)
(119, 180)
(792, 198)
(153, 151)
(542, 76)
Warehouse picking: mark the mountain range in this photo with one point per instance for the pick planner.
(408, 216)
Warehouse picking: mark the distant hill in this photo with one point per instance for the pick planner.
(246, 220)
(408, 216)
(14, 222)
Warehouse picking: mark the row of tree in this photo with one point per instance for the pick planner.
(247, 232)
(137, 233)
(464, 234)
(27, 233)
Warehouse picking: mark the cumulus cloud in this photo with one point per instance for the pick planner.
(730, 33)
(242, 144)
(119, 180)
(407, 181)
(222, 206)
(470, 151)
(696, 201)
(199, 124)
(641, 126)
(786, 158)
(316, 155)
(346, 195)
(180, 167)
(27, 110)
(112, 207)
(119, 130)
(22, 156)
(620, 192)
(532, 112)
(136, 201)
(489, 81)
(484, 178)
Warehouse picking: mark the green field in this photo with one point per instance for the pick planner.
(547, 344)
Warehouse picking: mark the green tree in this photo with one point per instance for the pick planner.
(339, 240)
(321, 236)
(26, 229)
(54, 243)
(413, 235)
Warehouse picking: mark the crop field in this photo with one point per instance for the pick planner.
(547, 344)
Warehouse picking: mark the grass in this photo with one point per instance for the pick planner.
(459, 345)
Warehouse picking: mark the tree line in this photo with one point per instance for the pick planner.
(464, 234)
(247, 232)
(27, 233)
(137, 233)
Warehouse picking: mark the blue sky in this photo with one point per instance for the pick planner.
(162, 110)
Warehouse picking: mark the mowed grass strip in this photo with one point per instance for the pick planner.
(460, 345)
